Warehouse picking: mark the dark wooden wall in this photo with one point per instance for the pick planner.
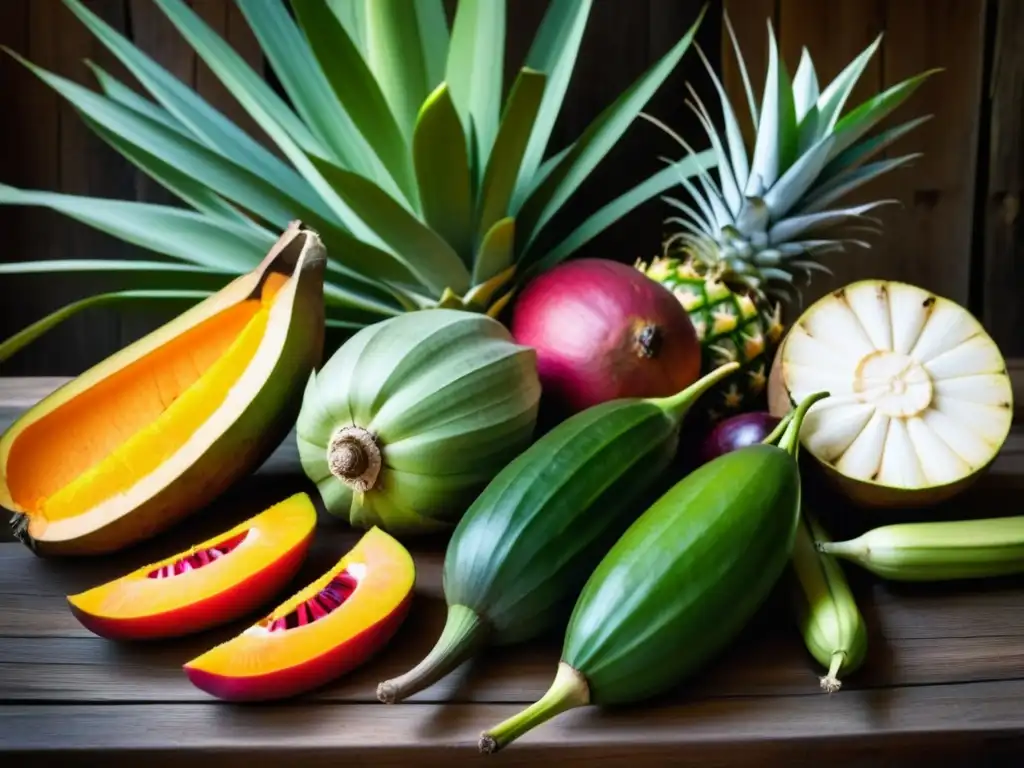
(956, 231)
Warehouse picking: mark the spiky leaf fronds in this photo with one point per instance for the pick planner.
(770, 215)
(429, 185)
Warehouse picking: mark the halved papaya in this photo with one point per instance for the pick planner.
(160, 428)
(212, 583)
(323, 631)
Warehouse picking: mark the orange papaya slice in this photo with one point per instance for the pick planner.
(159, 429)
(323, 631)
(212, 583)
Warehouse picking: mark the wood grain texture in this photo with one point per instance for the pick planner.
(929, 239)
(50, 148)
(1004, 225)
(954, 723)
(927, 235)
(942, 680)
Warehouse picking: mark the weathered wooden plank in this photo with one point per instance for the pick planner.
(929, 240)
(674, 106)
(90, 167)
(1004, 225)
(749, 19)
(764, 663)
(16, 131)
(34, 130)
(924, 723)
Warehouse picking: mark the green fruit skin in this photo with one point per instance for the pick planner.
(450, 399)
(686, 577)
(524, 549)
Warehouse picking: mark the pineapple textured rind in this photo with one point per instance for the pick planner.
(741, 240)
(731, 327)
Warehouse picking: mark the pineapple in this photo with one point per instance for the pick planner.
(743, 238)
(430, 183)
(732, 324)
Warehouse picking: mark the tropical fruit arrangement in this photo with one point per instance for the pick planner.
(412, 217)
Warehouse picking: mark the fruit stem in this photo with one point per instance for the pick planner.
(830, 683)
(677, 405)
(848, 549)
(464, 630)
(780, 428)
(790, 441)
(354, 457)
(647, 341)
(568, 691)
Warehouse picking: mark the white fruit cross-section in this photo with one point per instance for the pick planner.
(896, 384)
(919, 395)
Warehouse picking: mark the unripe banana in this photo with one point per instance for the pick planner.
(937, 551)
(830, 621)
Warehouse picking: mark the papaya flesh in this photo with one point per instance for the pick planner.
(212, 583)
(325, 630)
(159, 429)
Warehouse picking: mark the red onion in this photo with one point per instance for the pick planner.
(736, 432)
(604, 330)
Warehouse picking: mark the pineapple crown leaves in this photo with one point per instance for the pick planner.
(395, 139)
(771, 214)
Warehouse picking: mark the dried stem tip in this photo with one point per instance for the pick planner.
(354, 458)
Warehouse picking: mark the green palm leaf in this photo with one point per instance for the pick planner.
(118, 92)
(436, 264)
(553, 53)
(509, 147)
(185, 235)
(474, 71)
(207, 124)
(26, 336)
(308, 89)
(604, 217)
(594, 144)
(169, 176)
(441, 159)
(208, 168)
(357, 90)
(428, 186)
(351, 14)
(279, 122)
(130, 274)
(497, 251)
(406, 46)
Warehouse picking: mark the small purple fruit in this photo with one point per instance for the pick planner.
(736, 432)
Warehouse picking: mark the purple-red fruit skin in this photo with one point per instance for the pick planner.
(736, 432)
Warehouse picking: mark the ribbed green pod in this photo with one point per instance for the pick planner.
(937, 550)
(679, 585)
(521, 553)
(411, 418)
(832, 626)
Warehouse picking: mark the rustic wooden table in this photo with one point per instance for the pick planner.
(944, 681)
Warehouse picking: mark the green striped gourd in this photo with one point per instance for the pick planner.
(411, 418)
(521, 553)
(679, 585)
